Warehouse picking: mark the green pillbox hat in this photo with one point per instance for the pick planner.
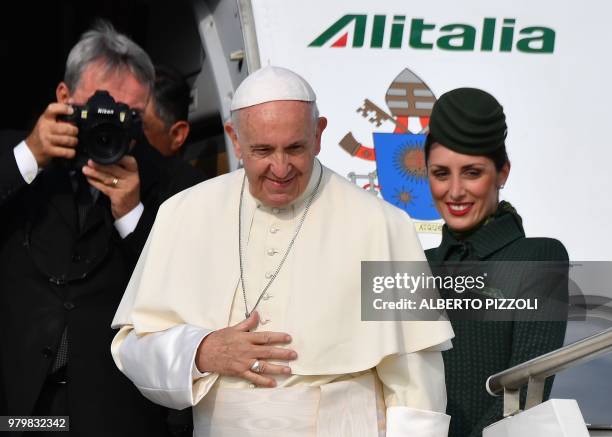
(468, 120)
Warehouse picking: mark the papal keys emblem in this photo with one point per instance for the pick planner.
(401, 174)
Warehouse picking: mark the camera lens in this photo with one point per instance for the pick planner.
(107, 143)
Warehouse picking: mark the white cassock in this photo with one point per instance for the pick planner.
(351, 378)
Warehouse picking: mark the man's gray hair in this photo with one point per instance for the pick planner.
(314, 114)
(115, 50)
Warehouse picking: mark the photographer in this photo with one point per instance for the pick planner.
(72, 230)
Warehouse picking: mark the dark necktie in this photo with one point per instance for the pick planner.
(84, 199)
(61, 358)
(84, 202)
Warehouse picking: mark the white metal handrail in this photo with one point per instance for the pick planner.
(534, 372)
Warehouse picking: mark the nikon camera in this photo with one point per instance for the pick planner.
(106, 129)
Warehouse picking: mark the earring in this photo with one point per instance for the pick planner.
(501, 187)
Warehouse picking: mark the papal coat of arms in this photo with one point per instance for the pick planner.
(401, 174)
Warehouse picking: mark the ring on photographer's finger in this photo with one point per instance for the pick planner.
(257, 366)
(115, 182)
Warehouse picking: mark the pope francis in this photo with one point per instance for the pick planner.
(245, 300)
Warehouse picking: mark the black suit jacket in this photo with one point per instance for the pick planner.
(54, 276)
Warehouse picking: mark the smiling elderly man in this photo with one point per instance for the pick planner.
(245, 301)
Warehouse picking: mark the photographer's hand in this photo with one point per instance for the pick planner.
(120, 182)
(52, 138)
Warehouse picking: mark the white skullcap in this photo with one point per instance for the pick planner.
(270, 84)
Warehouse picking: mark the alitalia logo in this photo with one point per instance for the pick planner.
(396, 32)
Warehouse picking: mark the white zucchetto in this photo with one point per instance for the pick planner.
(271, 84)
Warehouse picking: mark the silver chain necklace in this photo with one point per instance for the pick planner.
(247, 313)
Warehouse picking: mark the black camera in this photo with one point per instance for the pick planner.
(106, 129)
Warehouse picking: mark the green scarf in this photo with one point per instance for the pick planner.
(502, 209)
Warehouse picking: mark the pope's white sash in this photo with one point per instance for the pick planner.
(339, 409)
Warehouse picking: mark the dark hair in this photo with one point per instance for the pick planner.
(171, 95)
(499, 156)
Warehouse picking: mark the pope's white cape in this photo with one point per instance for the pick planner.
(189, 270)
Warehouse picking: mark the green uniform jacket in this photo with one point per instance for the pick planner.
(483, 348)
